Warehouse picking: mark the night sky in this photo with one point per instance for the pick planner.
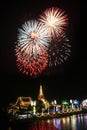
(65, 81)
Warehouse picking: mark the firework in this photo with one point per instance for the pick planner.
(31, 48)
(55, 20)
(33, 33)
(34, 64)
(59, 51)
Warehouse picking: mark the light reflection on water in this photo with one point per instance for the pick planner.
(75, 122)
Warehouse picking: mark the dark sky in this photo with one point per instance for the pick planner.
(65, 81)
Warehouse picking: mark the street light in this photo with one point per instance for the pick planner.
(76, 104)
(65, 105)
(33, 104)
(71, 101)
(48, 108)
(42, 112)
(54, 104)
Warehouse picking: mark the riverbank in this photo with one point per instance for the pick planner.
(45, 116)
(59, 114)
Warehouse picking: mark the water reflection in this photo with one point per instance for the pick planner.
(75, 122)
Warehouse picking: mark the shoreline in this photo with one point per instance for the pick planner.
(44, 117)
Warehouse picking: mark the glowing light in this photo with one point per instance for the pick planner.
(84, 103)
(42, 126)
(75, 102)
(65, 102)
(55, 20)
(57, 123)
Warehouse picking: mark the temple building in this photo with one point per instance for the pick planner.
(42, 98)
(41, 95)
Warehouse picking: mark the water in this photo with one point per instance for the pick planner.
(74, 122)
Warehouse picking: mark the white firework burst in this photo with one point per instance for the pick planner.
(56, 21)
(31, 38)
(33, 33)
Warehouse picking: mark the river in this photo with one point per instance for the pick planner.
(74, 122)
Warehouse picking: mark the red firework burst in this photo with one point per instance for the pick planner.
(34, 64)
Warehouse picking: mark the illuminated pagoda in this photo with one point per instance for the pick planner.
(42, 98)
(41, 95)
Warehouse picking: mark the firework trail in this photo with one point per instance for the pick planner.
(59, 51)
(55, 20)
(31, 48)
